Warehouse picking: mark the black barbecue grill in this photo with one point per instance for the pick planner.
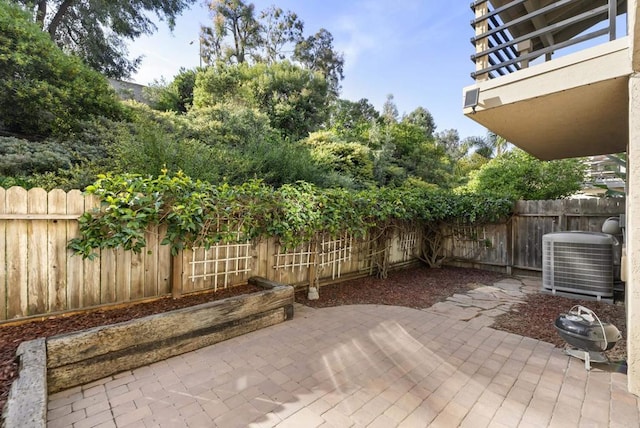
(589, 337)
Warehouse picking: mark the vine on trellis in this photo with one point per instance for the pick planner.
(199, 214)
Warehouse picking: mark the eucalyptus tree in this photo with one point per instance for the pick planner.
(97, 30)
(235, 34)
(280, 32)
(317, 53)
(239, 34)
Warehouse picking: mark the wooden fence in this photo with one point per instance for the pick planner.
(39, 275)
(517, 244)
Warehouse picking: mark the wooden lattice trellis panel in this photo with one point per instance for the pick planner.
(221, 260)
(328, 252)
(335, 252)
(409, 244)
(298, 258)
(372, 252)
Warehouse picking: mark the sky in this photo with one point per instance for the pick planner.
(417, 50)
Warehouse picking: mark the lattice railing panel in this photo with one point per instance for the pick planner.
(372, 253)
(328, 253)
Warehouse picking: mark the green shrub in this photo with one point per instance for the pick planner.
(45, 91)
(22, 157)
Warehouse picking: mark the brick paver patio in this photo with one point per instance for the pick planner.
(359, 366)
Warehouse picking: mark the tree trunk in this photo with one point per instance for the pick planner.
(57, 18)
(42, 12)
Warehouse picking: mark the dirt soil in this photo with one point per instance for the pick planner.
(416, 288)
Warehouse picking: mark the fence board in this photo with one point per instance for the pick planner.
(92, 273)
(37, 249)
(107, 277)
(17, 256)
(75, 265)
(123, 275)
(164, 264)
(57, 251)
(3, 258)
(151, 265)
(137, 275)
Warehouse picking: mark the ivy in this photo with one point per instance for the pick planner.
(198, 213)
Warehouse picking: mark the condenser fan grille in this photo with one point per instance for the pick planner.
(578, 262)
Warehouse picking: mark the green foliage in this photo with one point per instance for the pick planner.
(423, 119)
(22, 157)
(518, 175)
(295, 100)
(201, 214)
(316, 53)
(176, 96)
(79, 176)
(351, 159)
(43, 90)
(96, 30)
(352, 120)
(219, 143)
(228, 125)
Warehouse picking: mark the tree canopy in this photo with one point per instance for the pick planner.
(239, 34)
(295, 99)
(97, 30)
(518, 175)
(43, 90)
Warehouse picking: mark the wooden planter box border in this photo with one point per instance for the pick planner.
(82, 357)
(78, 358)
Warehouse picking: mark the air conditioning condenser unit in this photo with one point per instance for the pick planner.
(579, 263)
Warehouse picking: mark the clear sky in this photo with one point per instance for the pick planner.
(417, 50)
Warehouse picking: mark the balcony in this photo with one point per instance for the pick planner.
(552, 76)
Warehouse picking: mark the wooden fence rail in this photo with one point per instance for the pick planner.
(40, 276)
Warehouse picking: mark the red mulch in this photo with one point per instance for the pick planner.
(415, 288)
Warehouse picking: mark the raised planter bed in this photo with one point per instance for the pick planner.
(82, 357)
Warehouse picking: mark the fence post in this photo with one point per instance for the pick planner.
(510, 238)
(314, 285)
(176, 275)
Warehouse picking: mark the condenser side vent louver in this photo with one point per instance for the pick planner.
(578, 262)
